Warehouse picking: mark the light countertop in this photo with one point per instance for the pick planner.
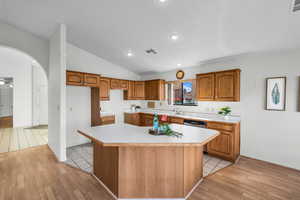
(190, 115)
(130, 135)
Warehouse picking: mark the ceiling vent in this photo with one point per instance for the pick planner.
(151, 51)
(296, 5)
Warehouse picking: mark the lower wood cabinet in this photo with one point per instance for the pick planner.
(175, 120)
(132, 118)
(107, 120)
(227, 144)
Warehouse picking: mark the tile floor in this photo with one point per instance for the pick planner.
(81, 156)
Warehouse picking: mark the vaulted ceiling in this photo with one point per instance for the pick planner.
(207, 29)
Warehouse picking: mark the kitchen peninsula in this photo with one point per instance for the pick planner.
(134, 164)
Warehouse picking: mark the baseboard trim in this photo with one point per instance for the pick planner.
(251, 158)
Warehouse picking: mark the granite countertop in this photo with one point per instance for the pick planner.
(190, 115)
(130, 135)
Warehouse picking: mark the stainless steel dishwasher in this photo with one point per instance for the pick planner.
(196, 123)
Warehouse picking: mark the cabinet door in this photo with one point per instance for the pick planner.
(222, 145)
(104, 89)
(228, 86)
(124, 84)
(91, 80)
(74, 78)
(155, 90)
(206, 87)
(115, 84)
(139, 90)
(176, 120)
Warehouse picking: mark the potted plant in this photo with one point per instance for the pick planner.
(225, 111)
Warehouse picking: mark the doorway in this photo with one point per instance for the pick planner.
(6, 102)
(23, 101)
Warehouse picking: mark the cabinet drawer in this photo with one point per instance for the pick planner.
(108, 120)
(176, 120)
(220, 126)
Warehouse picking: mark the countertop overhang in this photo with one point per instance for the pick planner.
(130, 135)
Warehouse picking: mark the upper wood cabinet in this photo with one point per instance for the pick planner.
(139, 90)
(91, 80)
(129, 94)
(155, 90)
(206, 87)
(74, 78)
(124, 84)
(118, 84)
(82, 79)
(115, 84)
(219, 86)
(104, 89)
(227, 86)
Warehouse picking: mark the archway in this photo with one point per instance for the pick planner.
(30, 100)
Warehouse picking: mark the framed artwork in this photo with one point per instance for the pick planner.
(276, 93)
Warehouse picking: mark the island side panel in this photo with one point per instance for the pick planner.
(193, 167)
(106, 163)
(151, 172)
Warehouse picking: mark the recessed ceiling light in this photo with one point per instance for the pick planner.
(179, 65)
(129, 54)
(174, 36)
(2, 82)
(10, 85)
(162, 1)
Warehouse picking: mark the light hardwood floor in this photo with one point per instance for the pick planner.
(14, 139)
(34, 173)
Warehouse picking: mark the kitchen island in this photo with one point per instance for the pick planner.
(134, 164)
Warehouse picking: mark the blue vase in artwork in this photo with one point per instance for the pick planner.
(276, 94)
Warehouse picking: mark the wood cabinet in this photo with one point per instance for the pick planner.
(74, 78)
(146, 119)
(118, 84)
(175, 120)
(206, 87)
(104, 89)
(227, 86)
(107, 120)
(82, 79)
(219, 86)
(139, 90)
(115, 84)
(132, 118)
(155, 90)
(91, 80)
(124, 84)
(136, 91)
(227, 144)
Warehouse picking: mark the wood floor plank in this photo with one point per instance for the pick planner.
(4, 143)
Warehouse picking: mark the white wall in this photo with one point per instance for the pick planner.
(39, 96)
(24, 41)
(16, 65)
(267, 135)
(57, 93)
(78, 98)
